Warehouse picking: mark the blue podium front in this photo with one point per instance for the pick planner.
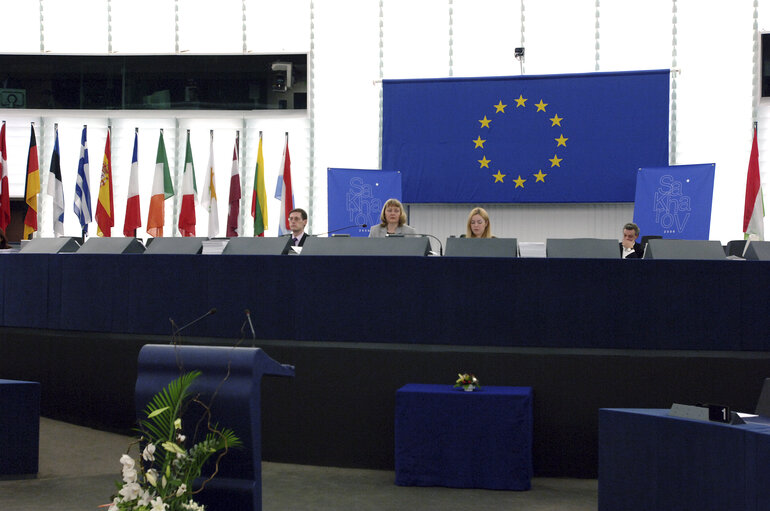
(19, 428)
(447, 437)
(231, 381)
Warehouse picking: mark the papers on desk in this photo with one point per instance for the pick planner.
(214, 246)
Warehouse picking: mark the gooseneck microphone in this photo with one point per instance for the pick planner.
(440, 245)
(210, 312)
(364, 226)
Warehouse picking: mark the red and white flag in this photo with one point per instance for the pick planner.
(5, 194)
(234, 226)
(754, 208)
(283, 191)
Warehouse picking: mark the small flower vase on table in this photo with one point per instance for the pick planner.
(468, 382)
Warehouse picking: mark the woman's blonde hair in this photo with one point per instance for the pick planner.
(483, 214)
(390, 203)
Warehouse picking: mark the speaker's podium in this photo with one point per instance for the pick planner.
(233, 377)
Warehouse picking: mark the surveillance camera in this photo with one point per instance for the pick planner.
(282, 79)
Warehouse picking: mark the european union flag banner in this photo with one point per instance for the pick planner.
(675, 202)
(356, 196)
(550, 138)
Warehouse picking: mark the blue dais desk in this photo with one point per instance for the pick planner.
(651, 460)
(19, 427)
(445, 436)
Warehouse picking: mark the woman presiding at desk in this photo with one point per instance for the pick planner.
(392, 221)
(478, 224)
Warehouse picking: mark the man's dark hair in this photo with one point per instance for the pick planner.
(630, 226)
(300, 211)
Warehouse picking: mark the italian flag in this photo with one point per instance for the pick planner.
(189, 194)
(162, 189)
(754, 209)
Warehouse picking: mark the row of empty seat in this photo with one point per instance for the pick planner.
(586, 248)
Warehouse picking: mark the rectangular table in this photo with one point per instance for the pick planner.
(650, 460)
(19, 427)
(445, 436)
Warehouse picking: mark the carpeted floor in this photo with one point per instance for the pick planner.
(79, 468)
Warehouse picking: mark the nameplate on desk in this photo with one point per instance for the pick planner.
(710, 413)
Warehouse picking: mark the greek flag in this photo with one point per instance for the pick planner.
(82, 202)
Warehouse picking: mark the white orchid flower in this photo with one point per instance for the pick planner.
(149, 452)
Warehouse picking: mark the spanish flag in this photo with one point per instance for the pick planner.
(32, 187)
(105, 220)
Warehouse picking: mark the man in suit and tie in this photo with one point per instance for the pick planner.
(297, 223)
(629, 248)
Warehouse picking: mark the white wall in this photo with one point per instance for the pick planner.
(354, 43)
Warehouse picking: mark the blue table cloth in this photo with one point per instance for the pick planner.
(650, 460)
(445, 436)
(19, 427)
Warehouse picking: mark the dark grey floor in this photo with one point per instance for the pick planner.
(79, 467)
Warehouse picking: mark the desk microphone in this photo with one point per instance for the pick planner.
(211, 312)
(251, 326)
(440, 245)
(341, 229)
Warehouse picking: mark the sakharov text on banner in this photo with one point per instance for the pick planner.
(675, 201)
(548, 138)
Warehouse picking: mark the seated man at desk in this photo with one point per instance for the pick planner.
(629, 248)
(297, 223)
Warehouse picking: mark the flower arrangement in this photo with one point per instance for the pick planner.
(468, 382)
(161, 478)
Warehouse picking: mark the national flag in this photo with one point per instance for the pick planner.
(5, 194)
(133, 218)
(209, 197)
(283, 190)
(55, 187)
(32, 187)
(259, 198)
(189, 194)
(234, 212)
(105, 219)
(754, 207)
(162, 189)
(82, 202)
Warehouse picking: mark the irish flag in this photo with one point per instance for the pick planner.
(105, 220)
(133, 214)
(754, 209)
(189, 194)
(259, 198)
(162, 189)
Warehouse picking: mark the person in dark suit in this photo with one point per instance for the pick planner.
(629, 248)
(297, 223)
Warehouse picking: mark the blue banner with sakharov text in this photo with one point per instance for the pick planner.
(356, 196)
(675, 201)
